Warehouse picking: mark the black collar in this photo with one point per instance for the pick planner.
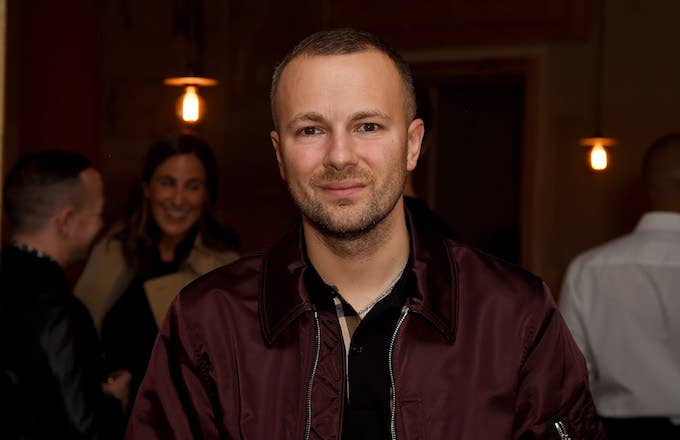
(284, 296)
(321, 294)
(32, 251)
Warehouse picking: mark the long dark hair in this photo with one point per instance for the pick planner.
(141, 233)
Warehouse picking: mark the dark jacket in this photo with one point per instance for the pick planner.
(50, 363)
(481, 352)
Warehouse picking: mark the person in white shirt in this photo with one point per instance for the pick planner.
(621, 301)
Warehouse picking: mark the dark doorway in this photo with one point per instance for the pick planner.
(471, 171)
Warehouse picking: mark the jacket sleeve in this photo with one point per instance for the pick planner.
(71, 354)
(173, 400)
(553, 396)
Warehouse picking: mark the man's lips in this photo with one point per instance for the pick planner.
(342, 189)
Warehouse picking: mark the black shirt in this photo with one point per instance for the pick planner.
(367, 411)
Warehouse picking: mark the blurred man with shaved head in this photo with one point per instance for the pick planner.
(51, 372)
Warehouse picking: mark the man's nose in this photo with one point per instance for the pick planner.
(341, 151)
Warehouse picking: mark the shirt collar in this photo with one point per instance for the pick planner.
(322, 294)
(659, 220)
(284, 295)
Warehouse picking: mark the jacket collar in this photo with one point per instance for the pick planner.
(283, 294)
(200, 259)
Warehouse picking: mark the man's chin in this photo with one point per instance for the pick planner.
(345, 234)
(341, 229)
(346, 223)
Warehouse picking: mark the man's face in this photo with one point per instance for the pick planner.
(343, 143)
(87, 221)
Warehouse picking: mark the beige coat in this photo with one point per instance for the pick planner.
(106, 276)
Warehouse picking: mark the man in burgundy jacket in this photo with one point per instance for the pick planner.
(360, 325)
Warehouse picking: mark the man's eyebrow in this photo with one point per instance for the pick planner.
(368, 114)
(305, 117)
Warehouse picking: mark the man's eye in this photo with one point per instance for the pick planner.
(309, 131)
(368, 127)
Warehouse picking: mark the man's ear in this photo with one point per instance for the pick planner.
(416, 131)
(64, 221)
(276, 142)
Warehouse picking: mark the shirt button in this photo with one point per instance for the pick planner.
(356, 349)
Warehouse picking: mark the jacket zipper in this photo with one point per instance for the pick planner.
(345, 387)
(393, 388)
(310, 383)
(561, 430)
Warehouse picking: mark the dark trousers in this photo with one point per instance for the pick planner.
(656, 428)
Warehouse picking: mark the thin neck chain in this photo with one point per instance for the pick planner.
(386, 291)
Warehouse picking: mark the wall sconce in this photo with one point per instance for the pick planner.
(190, 106)
(599, 159)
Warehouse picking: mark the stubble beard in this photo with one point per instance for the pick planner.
(346, 221)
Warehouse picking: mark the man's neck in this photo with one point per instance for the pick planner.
(361, 268)
(43, 243)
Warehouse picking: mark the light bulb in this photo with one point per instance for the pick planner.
(190, 106)
(598, 157)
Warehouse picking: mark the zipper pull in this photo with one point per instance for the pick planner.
(561, 430)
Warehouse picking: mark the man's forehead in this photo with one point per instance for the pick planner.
(359, 77)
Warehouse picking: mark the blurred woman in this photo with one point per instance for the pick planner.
(168, 238)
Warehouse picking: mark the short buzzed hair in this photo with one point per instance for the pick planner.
(343, 42)
(41, 183)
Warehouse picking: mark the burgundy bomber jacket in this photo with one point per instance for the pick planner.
(480, 352)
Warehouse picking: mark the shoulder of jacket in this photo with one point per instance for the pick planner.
(203, 259)
(106, 257)
(220, 256)
(240, 278)
(108, 244)
(481, 271)
(470, 258)
(103, 267)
